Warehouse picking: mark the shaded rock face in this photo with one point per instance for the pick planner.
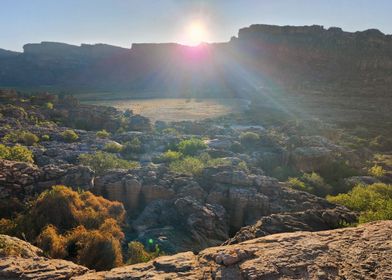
(295, 55)
(350, 253)
(191, 213)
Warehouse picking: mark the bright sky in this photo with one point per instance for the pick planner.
(122, 22)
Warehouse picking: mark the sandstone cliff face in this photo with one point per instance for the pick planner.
(295, 56)
(363, 252)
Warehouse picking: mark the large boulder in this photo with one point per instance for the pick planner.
(309, 220)
(21, 260)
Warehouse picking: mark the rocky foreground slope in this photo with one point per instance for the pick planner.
(364, 252)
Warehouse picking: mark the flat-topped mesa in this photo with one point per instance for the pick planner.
(314, 30)
(64, 50)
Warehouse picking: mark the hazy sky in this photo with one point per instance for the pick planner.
(121, 22)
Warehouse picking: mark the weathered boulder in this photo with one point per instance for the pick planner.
(12, 246)
(39, 268)
(21, 260)
(309, 220)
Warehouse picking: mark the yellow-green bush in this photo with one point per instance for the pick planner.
(69, 135)
(16, 153)
(101, 162)
(195, 165)
(170, 156)
(191, 147)
(103, 134)
(113, 147)
(373, 202)
(377, 171)
(26, 137)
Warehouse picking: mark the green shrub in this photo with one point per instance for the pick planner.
(377, 171)
(113, 147)
(194, 165)
(188, 165)
(132, 147)
(249, 138)
(25, 137)
(101, 162)
(103, 134)
(137, 253)
(373, 202)
(49, 105)
(170, 156)
(171, 131)
(243, 166)
(191, 147)
(16, 153)
(312, 183)
(29, 138)
(297, 184)
(69, 135)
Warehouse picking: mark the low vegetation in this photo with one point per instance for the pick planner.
(132, 147)
(191, 147)
(249, 138)
(24, 137)
(113, 147)
(16, 153)
(137, 253)
(195, 165)
(103, 134)
(77, 226)
(312, 183)
(373, 202)
(69, 135)
(101, 162)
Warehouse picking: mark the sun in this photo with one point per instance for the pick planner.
(196, 33)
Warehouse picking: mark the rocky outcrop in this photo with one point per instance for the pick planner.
(21, 260)
(363, 252)
(38, 268)
(181, 212)
(309, 220)
(296, 56)
(19, 179)
(12, 246)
